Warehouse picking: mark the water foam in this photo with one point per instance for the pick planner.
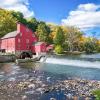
(71, 62)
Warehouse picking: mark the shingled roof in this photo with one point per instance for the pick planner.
(9, 35)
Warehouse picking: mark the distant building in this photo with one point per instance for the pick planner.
(22, 40)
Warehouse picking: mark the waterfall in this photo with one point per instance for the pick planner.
(72, 62)
(43, 59)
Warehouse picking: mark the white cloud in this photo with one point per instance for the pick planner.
(88, 7)
(17, 5)
(85, 17)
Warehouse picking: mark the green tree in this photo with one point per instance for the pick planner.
(59, 37)
(43, 32)
(19, 16)
(33, 24)
(58, 49)
(90, 45)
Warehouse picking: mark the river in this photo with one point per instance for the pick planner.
(15, 78)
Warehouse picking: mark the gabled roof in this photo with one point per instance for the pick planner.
(9, 35)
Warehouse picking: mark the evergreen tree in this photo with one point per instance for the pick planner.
(59, 37)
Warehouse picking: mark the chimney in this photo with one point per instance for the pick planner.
(18, 27)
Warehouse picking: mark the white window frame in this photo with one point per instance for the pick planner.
(18, 40)
(27, 40)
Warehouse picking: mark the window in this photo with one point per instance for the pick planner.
(20, 34)
(18, 40)
(27, 40)
(18, 46)
(33, 35)
(27, 30)
(28, 47)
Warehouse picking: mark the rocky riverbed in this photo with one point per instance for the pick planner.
(35, 89)
(18, 83)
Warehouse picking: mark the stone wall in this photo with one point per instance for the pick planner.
(7, 58)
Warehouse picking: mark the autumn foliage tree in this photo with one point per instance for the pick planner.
(7, 22)
(72, 37)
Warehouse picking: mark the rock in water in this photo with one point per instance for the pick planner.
(24, 97)
(31, 86)
(52, 99)
(48, 79)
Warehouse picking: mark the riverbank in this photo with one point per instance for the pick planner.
(4, 58)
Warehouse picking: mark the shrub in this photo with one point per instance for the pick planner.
(97, 94)
(98, 48)
(89, 47)
(58, 49)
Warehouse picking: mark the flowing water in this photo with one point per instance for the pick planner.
(49, 71)
(84, 66)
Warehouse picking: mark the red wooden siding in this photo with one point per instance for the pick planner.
(25, 38)
(22, 40)
(39, 47)
(8, 44)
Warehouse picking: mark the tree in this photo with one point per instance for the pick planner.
(7, 22)
(72, 37)
(43, 32)
(59, 37)
(53, 29)
(19, 16)
(33, 24)
(58, 49)
(90, 45)
(98, 45)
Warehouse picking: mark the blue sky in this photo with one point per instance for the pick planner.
(84, 14)
(55, 10)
